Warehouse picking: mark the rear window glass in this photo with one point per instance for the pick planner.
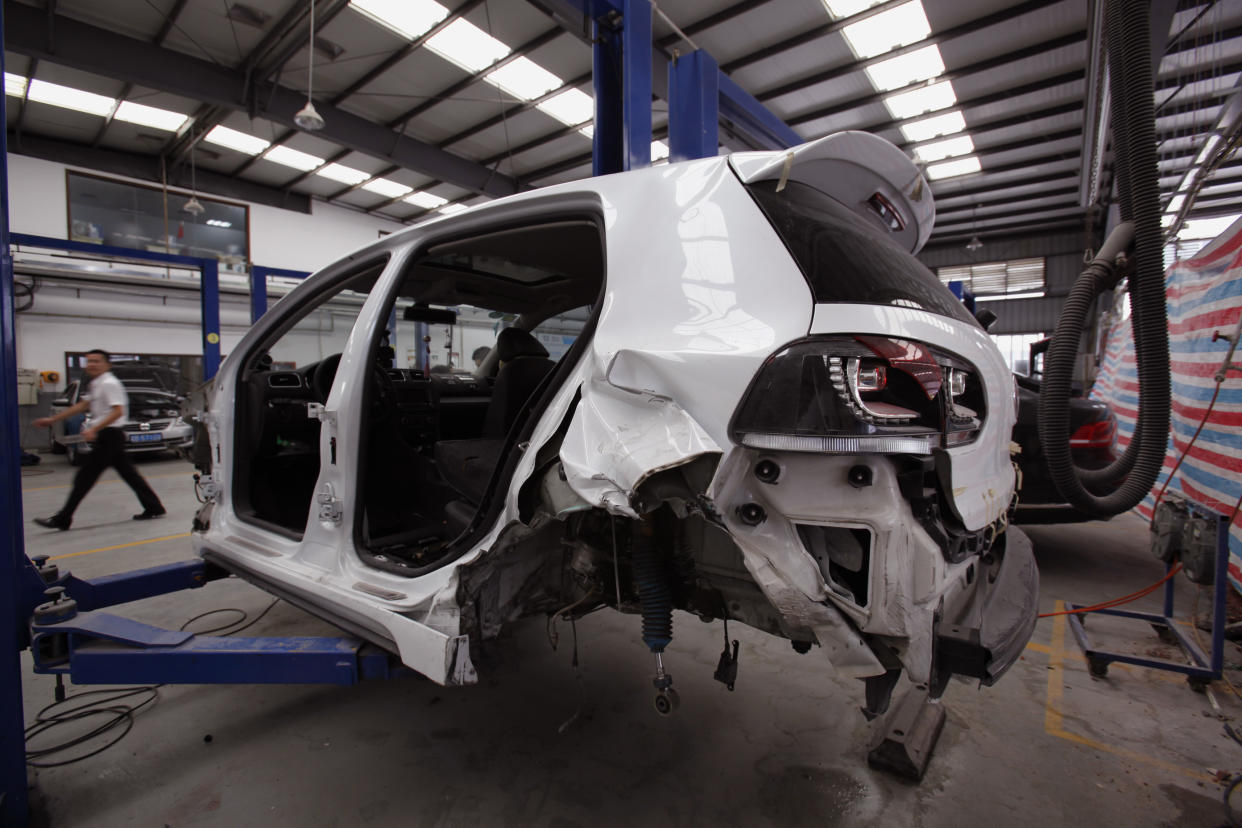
(845, 260)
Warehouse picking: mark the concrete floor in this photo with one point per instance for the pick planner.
(1049, 745)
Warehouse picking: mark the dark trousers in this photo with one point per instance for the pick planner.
(109, 450)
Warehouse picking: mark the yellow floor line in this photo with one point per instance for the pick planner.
(118, 546)
(1039, 648)
(109, 480)
(1054, 721)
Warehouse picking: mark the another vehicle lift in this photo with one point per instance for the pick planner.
(60, 616)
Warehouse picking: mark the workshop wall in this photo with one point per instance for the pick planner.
(278, 238)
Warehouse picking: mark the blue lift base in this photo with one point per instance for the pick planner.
(1201, 668)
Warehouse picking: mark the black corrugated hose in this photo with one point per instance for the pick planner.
(1130, 67)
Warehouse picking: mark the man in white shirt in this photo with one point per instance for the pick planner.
(108, 403)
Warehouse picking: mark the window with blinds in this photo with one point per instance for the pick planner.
(1020, 276)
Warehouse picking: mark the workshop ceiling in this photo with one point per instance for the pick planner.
(433, 105)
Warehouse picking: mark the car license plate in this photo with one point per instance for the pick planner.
(145, 438)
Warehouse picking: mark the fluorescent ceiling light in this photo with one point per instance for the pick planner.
(938, 150)
(958, 166)
(150, 116)
(218, 223)
(1030, 294)
(659, 150)
(1209, 147)
(408, 18)
(904, 70)
(917, 101)
(1205, 228)
(450, 209)
(240, 141)
(934, 127)
(887, 30)
(1188, 180)
(571, 107)
(69, 98)
(427, 201)
(844, 8)
(523, 78)
(467, 45)
(303, 161)
(14, 85)
(387, 188)
(343, 174)
(588, 131)
(1175, 204)
(1167, 219)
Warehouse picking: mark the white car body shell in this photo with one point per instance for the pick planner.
(700, 290)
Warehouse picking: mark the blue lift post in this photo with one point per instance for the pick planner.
(13, 796)
(209, 270)
(621, 69)
(1202, 667)
(258, 287)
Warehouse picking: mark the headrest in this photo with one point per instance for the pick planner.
(515, 342)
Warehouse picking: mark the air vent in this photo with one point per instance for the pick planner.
(285, 379)
(396, 375)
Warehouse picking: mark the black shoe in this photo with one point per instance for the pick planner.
(147, 514)
(54, 522)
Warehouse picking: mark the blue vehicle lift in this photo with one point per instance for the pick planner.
(61, 618)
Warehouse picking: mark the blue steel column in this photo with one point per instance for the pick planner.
(636, 82)
(693, 107)
(13, 802)
(606, 76)
(210, 285)
(258, 292)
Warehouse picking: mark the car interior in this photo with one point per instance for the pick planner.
(435, 443)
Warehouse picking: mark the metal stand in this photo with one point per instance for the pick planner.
(906, 737)
(1202, 669)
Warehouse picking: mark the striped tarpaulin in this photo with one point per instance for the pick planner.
(1204, 295)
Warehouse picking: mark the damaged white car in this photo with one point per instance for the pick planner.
(723, 386)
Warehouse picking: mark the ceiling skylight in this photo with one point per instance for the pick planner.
(14, 85)
(904, 70)
(467, 45)
(1175, 203)
(450, 209)
(523, 78)
(1188, 180)
(844, 8)
(925, 99)
(1209, 146)
(387, 188)
(427, 201)
(150, 116)
(69, 98)
(958, 166)
(887, 30)
(588, 131)
(343, 174)
(303, 161)
(571, 107)
(408, 18)
(240, 141)
(659, 150)
(934, 127)
(939, 150)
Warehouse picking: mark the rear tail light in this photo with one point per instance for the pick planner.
(1095, 435)
(859, 394)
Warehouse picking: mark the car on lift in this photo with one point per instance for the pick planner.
(155, 422)
(768, 412)
(1093, 442)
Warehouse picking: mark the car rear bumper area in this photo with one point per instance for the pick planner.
(984, 635)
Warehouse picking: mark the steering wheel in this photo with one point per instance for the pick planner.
(385, 395)
(324, 374)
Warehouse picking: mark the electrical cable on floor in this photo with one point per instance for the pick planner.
(118, 715)
(1116, 602)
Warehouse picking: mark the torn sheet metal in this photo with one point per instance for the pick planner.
(621, 436)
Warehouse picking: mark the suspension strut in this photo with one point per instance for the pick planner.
(651, 577)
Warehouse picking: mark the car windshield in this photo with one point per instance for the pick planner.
(846, 260)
